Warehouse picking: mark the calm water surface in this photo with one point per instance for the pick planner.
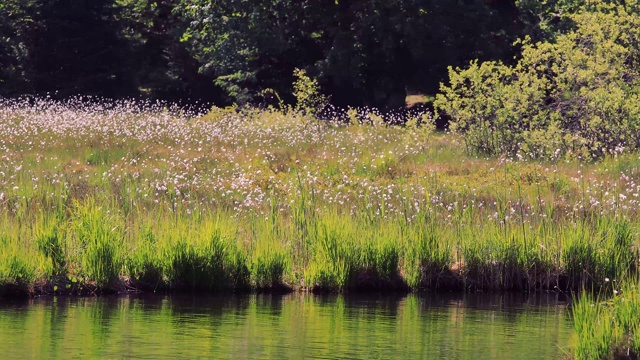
(294, 326)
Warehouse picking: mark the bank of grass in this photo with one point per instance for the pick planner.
(138, 197)
(330, 252)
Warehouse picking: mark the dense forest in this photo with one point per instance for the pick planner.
(362, 52)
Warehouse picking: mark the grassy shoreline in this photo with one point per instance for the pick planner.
(95, 250)
(255, 199)
(129, 196)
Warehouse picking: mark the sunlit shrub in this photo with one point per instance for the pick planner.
(577, 97)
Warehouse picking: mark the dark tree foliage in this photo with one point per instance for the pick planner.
(163, 67)
(363, 52)
(15, 27)
(110, 48)
(76, 50)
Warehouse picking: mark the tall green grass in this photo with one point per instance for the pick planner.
(604, 251)
(427, 258)
(595, 328)
(49, 239)
(20, 267)
(354, 254)
(16, 265)
(97, 243)
(607, 325)
(328, 251)
(145, 262)
(184, 256)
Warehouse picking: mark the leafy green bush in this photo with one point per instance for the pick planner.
(577, 97)
(306, 90)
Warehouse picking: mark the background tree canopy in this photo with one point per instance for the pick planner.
(362, 52)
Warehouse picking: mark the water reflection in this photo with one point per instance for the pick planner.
(454, 326)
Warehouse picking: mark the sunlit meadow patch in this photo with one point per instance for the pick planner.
(347, 203)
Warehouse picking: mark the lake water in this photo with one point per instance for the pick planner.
(295, 326)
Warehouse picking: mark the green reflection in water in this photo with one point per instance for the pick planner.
(294, 326)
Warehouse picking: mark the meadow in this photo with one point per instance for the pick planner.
(99, 197)
(143, 196)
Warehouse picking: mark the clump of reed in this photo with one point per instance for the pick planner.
(606, 253)
(206, 260)
(427, 259)
(145, 262)
(19, 267)
(269, 261)
(180, 255)
(334, 259)
(270, 251)
(269, 266)
(607, 324)
(494, 258)
(49, 240)
(97, 249)
(16, 266)
(349, 254)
